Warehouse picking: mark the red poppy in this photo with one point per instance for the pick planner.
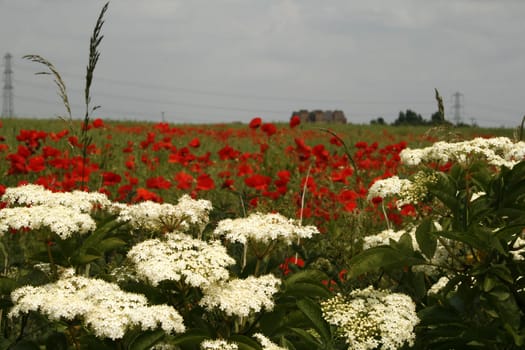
(98, 123)
(255, 123)
(244, 169)
(158, 182)
(184, 180)
(228, 183)
(335, 141)
(285, 267)
(294, 121)
(145, 195)
(257, 181)
(269, 129)
(227, 152)
(194, 143)
(109, 178)
(204, 183)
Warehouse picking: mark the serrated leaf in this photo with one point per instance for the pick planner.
(314, 313)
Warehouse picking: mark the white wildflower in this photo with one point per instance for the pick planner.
(36, 195)
(266, 343)
(405, 191)
(218, 344)
(438, 286)
(242, 297)
(64, 221)
(384, 237)
(518, 249)
(153, 216)
(498, 151)
(263, 228)
(388, 187)
(180, 257)
(102, 306)
(370, 318)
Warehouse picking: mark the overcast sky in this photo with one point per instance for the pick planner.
(214, 61)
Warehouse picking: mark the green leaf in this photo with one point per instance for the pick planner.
(380, 257)
(308, 289)
(110, 244)
(7, 285)
(425, 238)
(314, 313)
(244, 342)
(192, 337)
(145, 340)
(305, 276)
(307, 337)
(83, 259)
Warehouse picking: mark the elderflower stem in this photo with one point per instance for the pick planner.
(51, 259)
(386, 217)
(303, 195)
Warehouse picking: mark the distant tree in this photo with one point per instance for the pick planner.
(379, 121)
(437, 119)
(409, 118)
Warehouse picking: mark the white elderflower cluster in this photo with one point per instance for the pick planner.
(241, 297)
(441, 255)
(438, 286)
(404, 190)
(266, 343)
(179, 257)
(218, 344)
(36, 195)
(103, 307)
(388, 187)
(518, 250)
(372, 319)
(498, 151)
(63, 221)
(263, 228)
(384, 237)
(153, 216)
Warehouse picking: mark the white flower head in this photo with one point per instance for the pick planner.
(102, 306)
(180, 257)
(36, 195)
(498, 151)
(438, 286)
(370, 318)
(64, 221)
(266, 343)
(263, 228)
(153, 216)
(218, 344)
(242, 297)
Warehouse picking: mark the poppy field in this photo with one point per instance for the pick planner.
(121, 235)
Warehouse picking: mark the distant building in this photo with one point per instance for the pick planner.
(318, 116)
